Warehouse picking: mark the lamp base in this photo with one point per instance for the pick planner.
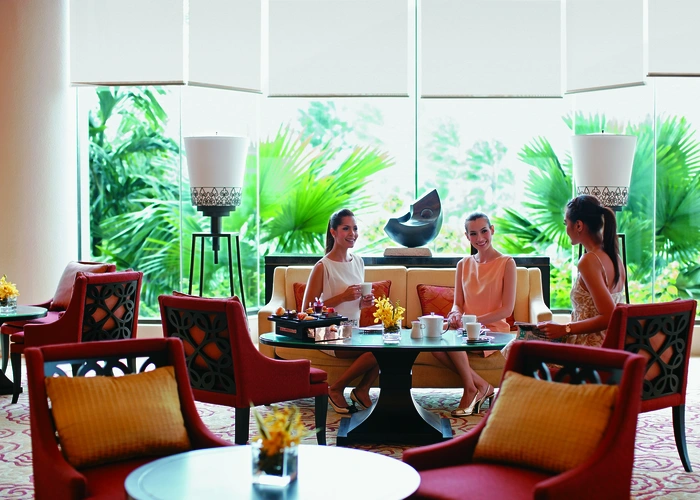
(227, 237)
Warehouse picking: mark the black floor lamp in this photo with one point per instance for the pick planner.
(216, 165)
(603, 168)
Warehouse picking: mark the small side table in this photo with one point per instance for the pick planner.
(23, 313)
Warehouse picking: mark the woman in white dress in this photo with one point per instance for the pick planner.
(336, 279)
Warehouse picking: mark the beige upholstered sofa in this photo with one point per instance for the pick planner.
(427, 371)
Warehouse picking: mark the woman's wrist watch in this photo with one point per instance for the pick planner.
(567, 328)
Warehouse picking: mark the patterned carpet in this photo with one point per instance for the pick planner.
(658, 472)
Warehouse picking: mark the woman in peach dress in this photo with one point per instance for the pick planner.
(484, 286)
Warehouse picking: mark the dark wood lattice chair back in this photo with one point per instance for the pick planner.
(662, 333)
(205, 336)
(111, 308)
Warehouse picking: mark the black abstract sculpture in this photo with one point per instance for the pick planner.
(420, 225)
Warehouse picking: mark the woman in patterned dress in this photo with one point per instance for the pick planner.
(601, 273)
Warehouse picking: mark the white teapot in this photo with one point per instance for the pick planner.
(435, 325)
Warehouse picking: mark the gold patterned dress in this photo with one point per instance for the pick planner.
(584, 308)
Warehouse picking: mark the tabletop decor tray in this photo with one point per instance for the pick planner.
(320, 329)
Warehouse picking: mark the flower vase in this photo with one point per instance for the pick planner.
(8, 305)
(391, 334)
(276, 470)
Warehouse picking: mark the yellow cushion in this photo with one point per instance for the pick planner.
(546, 425)
(105, 419)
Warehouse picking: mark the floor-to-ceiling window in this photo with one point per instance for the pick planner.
(507, 157)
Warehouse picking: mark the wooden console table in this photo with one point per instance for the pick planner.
(275, 260)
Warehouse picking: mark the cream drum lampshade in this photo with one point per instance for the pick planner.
(216, 165)
(603, 166)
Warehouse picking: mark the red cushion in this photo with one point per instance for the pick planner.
(107, 481)
(65, 285)
(436, 299)
(17, 326)
(299, 289)
(17, 338)
(379, 289)
(316, 375)
(480, 480)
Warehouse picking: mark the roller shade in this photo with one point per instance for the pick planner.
(166, 42)
(674, 38)
(490, 48)
(338, 48)
(604, 44)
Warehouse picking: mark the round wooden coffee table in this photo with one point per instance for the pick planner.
(226, 473)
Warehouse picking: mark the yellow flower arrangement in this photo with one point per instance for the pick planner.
(280, 429)
(7, 290)
(387, 313)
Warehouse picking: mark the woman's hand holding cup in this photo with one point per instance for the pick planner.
(351, 293)
(454, 319)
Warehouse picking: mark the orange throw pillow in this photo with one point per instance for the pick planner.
(106, 419)
(549, 426)
(436, 299)
(65, 285)
(379, 289)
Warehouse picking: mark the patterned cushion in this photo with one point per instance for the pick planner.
(61, 298)
(379, 289)
(436, 299)
(550, 426)
(106, 419)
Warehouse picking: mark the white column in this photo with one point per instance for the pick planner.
(38, 174)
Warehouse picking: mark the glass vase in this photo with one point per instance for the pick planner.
(391, 334)
(8, 305)
(276, 470)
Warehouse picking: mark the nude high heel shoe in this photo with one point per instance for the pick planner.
(465, 412)
(488, 395)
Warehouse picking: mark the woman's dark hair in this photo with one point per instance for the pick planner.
(471, 218)
(333, 223)
(595, 216)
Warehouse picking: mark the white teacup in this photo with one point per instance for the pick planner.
(468, 318)
(366, 289)
(473, 330)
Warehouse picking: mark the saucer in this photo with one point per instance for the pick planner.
(484, 339)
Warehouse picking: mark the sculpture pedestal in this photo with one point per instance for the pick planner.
(407, 252)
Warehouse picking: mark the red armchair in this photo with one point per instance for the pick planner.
(662, 333)
(225, 367)
(54, 309)
(102, 307)
(447, 470)
(54, 477)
